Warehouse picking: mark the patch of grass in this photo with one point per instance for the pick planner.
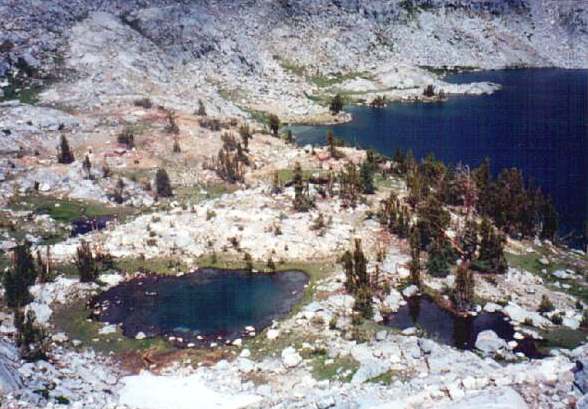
(386, 378)
(196, 194)
(291, 66)
(73, 320)
(341, 368)
(66, 210)
(159, 265)
(325, 81)
(26, 93)
(563, 337)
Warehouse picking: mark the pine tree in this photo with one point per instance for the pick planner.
(415, 256)
(87, 166)
(347, 261)
(550, 221)
(86, 263)
(463, 293)
(176, 148)
(19, 277)
(289, 136)
(65, 154)
(440, 257)
(30, 338)
(274, 124)
(245, 133)
(336, 104)
(469, 239)
(491, 258)
(162, 183)
(118, 195)
(366, 174)
(331, 143)
(201, 108)
(302, 201)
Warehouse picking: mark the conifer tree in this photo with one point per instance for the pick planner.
(491, 258)
(65, 155)
(245, 134)
(440, 257)
(86, 263)
(469, 239)
(19, 277)
(415, 256)
(463, 293)
(331, 143)
(366, 174)
(87, 166)
(162, 183)
(550, 221)
(336, 104)
(302, 201)
(274, 124)
(201, 108)
(30, 338)
(118, 195)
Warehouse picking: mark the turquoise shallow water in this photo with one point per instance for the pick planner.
(209, 303)
(538, 122)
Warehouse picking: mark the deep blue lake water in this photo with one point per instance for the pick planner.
(538, 122)
(209, 303)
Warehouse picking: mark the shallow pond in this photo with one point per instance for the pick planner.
(85, 225)
(200, 306)
(451, 329)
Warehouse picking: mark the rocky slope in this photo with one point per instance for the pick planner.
(269, 55)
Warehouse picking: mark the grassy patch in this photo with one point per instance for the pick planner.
(563, 337)
(66, 210)
(73, 320)
(196, 194)
(341, 368)
(325, 81)
(159, 265)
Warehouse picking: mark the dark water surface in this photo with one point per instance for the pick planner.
(538, 122)
(454, 330)
(208, 303)
(85, 225)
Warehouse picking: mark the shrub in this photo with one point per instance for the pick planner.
(429, 91)
(126, 137)
(144, 103)
(546, 305)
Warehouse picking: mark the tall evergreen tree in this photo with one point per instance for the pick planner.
(87, 166)
(491, 258)
(463, 293)
(163, 184)
(274, 124)
(415, 256)
(19, 277)
(64, 155)
(336, 104)
(366, 174)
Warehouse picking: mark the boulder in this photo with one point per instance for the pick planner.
(490, 343)
(291, 358)
(410, 291)
(10, 380)
(503, 398)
